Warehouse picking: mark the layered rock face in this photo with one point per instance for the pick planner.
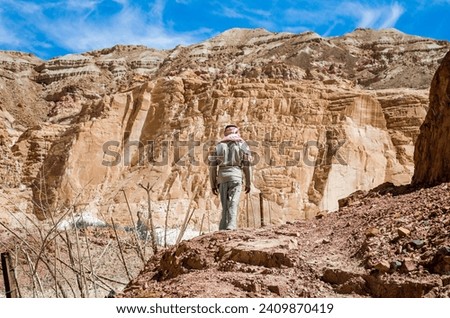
(8, 164)
(432, 154)
(312, 144)
(324, 118)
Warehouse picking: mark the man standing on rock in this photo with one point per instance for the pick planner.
(229, 164)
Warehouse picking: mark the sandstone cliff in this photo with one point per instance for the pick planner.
(432, 154)
(324, 116)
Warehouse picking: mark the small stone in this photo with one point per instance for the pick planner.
(402, 232)
(280, 290)
(395, 265)
(445, 250)
(255, 287)
(371, 232)
(408, 266)
(317, 242)
(426, 255)
(383, 266)
(321, 215)
(355, 203)
(417, 243)
(438, 241)
(267, 271)
(292, 244)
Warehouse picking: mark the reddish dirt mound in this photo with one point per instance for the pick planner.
(390, 242)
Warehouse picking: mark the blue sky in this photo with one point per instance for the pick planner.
(50, 28)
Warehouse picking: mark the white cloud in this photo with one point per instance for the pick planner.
(376, 17)
(352, 13)
(368, 17)
(232, 13)
(80, 26)
(129, 26)
(332, 27)
(157, 10)
(391, 19)
(122, 2)
(7, 37)
(256, 17)
(78, 5)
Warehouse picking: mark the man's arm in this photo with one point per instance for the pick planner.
(213, 172)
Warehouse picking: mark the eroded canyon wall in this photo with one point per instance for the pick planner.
(313, 144)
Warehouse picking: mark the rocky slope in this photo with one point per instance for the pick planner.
(324, 116)
(390, 242)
